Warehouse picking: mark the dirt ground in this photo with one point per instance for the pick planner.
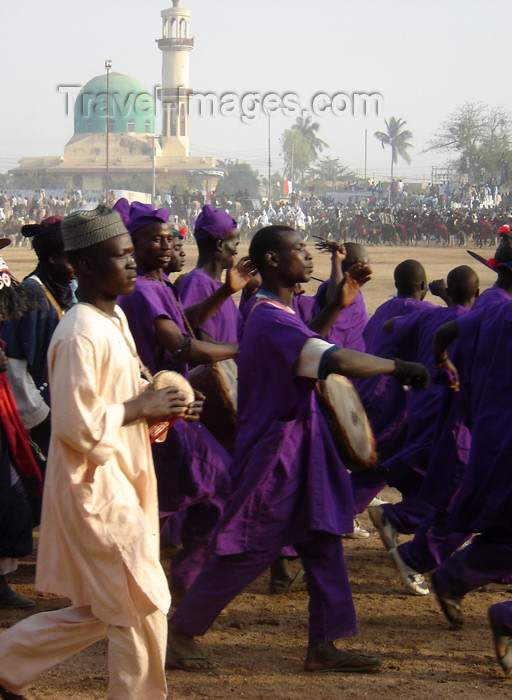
(259, 644)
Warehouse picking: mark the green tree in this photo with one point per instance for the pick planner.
(239, 178)
(397, 138)
(309, 129)
(481, 138)
(36, 179)
(330, 170)
(297, 153)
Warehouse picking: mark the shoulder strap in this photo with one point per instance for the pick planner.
(49, 296)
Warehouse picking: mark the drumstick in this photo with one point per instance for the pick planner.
(328, 246)
(252, 272)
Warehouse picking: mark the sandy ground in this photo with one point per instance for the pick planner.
(260, 643)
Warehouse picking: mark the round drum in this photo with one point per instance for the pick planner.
(219, 383)
(158, 429)
(347, 421)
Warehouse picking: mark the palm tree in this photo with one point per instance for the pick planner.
(398, 138)
(308, 128)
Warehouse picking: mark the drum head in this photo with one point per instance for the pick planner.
(166, 378)
(348, 422)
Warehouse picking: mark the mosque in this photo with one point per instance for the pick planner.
(128, 108)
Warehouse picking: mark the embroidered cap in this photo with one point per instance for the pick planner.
(86, 227)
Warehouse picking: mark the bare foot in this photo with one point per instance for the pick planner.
(325, 658)
(183, 653)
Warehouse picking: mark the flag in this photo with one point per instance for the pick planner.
(287, 186)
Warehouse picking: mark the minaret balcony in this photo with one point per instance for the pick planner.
(175, 42)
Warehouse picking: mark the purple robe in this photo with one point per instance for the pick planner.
(151, 300)
(491, 296)
(287, 476)
(435, 540)
(192, 469)
(289, 487)
(383, 397)
(224, 325)
(301, 304)
(191, 466)
(484, 500)
(412, 337)
(347, 330)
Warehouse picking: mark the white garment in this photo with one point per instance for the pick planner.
(136, 655)
(30, 404)
(310, 357)
(100, 506)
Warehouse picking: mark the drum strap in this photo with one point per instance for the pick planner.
(268, 300)
(49, 296)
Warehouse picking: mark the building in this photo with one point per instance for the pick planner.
(136, 155)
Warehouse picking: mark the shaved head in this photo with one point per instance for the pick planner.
(355, 253)
(410, 279)
(462, 285)
(268, 238)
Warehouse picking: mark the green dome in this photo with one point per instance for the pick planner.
(131, 106)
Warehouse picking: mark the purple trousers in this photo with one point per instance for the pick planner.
(488, 559)
(501, 615)
(367, 483)
(432, 544)
(198, 525)
(407, 515)
(331, 609)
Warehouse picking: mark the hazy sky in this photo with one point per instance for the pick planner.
(424, 58)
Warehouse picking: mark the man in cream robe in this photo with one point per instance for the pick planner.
(99, 540)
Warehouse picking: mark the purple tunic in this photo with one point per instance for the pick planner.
(223, 326)
(191, 466)
(347, 330)
(151, 300)
(287, 476)
(412, 337)
(382, 396)
(484, 500)
(301, 304)
(434, 540)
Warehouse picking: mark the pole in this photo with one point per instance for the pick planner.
(365, 154)
(108, 66)
(153, 188)
(269, 161)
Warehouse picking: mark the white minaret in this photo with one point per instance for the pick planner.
(175, 45)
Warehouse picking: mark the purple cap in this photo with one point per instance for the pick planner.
(213, 223)
(139, 215)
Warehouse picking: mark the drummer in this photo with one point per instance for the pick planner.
(289, 486)
(347, 329)
(191, 467)
(384, 402)
(413, 334)
(217, 242)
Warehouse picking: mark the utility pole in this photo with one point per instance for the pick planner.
(269, 162)
(108, 66)
(365, 153)
(153, 188)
